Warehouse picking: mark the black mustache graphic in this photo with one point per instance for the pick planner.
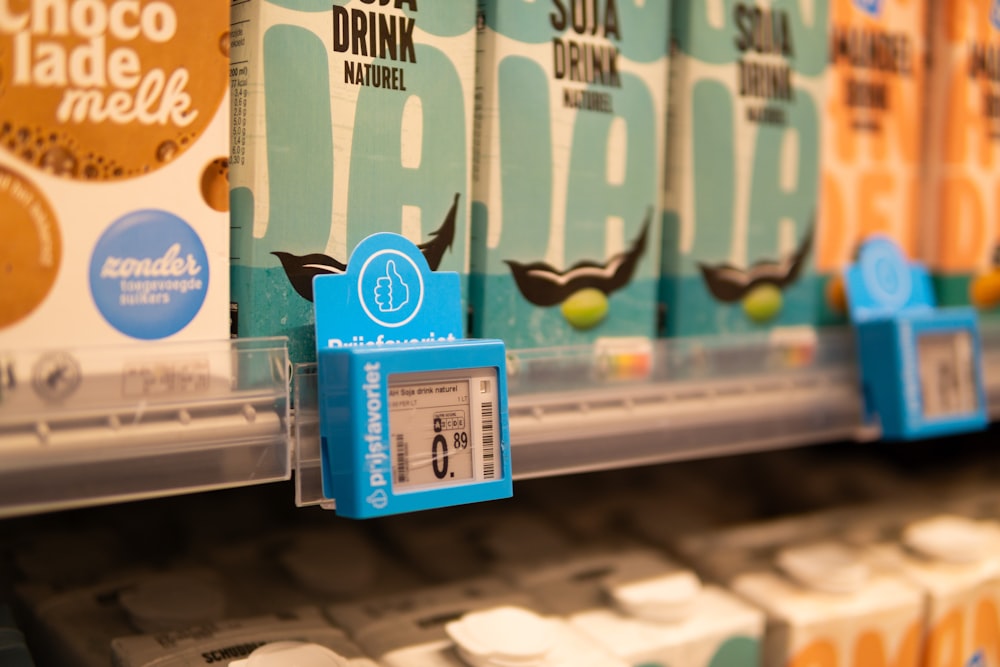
(441, 238)
(300, 269)
(543, 285)
(730, 284)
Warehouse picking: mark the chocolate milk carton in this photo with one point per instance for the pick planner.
(114, 123)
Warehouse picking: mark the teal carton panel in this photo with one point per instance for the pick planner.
(349, 118)
(570, 136)
(746, 88)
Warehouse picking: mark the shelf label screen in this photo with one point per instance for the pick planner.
(946, 363)
(442, 428)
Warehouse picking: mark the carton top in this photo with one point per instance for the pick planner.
(715, 612)
(854, 590)
(418, 617)
(942, 554)
(638, 581)
(953, 539)
(825, 566)
(509, 636)
(504, 635)
(301, 654)
(234, 638)
(723, 554)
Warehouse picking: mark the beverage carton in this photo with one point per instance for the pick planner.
(872, 134)
(473, 624)
(648, 610)
(962, 189)
(826, 606)
(114, 121)
(742, 183)
(349, 118)
(571, 110)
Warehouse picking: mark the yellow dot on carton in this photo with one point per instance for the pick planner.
(763, 303)
(586, 308)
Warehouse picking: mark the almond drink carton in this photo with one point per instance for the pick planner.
(961, 201)
(873, 125)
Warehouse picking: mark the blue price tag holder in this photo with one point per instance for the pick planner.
(412, 416)
(921, 368)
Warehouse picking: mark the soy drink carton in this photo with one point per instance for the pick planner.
(961, 201)
(648, 610)
(872, 136)
(114, 202)
(571, 110)
(349, 118)
(742, 182)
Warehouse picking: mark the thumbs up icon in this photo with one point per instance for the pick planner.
(391, 293)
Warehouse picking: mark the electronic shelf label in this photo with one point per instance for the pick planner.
(921, 366)
(412, 415)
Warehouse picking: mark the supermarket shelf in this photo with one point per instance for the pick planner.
(593, 408)
(707, 398)
(101, 425)
(703, 397)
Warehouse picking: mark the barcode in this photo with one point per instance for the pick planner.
(489, 461)
(402, 461)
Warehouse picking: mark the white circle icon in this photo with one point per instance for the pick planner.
(390, 288)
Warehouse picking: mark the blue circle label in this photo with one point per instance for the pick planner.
(886, 273)
(390, 288)
(149, 274)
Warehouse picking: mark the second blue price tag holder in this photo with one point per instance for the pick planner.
(921, 368)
